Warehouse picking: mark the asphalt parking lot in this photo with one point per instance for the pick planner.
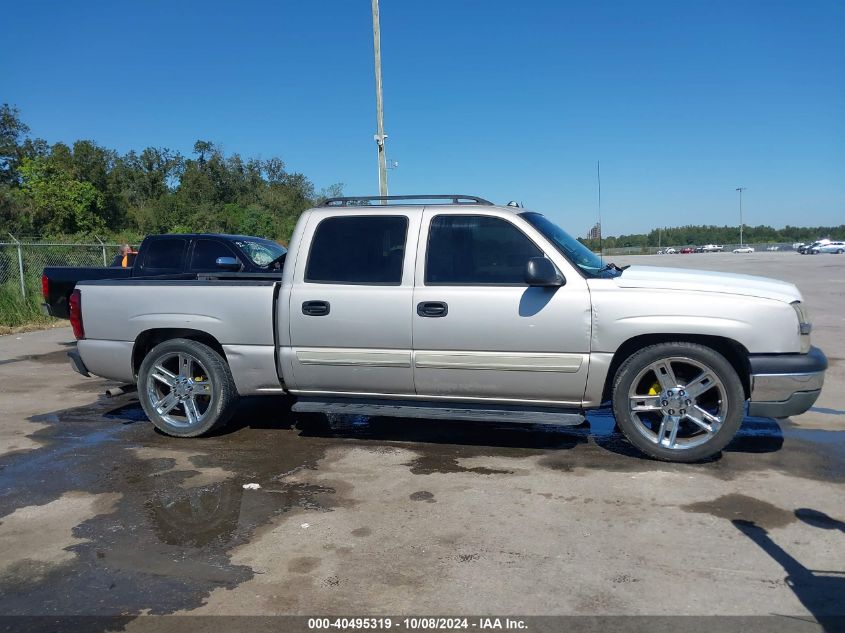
(100, 514)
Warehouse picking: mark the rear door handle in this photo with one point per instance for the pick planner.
(316, 308)
(432, 309)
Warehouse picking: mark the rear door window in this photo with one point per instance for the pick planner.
(358, 250)
(165, 256)
(206, 252)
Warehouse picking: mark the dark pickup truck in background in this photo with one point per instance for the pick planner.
(174, 256)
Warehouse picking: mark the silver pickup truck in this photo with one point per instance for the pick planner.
(452, 307)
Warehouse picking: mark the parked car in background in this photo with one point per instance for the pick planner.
(712, 248)
(174, 256)
(833, 247)
(808, 249)
(671, 251)
(774, 247)
(744, 249)
(686, 250)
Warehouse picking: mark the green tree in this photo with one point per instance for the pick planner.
(12, 131)
(201, 148)
(62, 203)
(85, 187)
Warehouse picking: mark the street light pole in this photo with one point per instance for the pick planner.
(740, 189)
(380, 136)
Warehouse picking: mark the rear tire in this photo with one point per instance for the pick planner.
(186, 388)
(679, 402)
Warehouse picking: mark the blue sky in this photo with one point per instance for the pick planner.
(681, 101)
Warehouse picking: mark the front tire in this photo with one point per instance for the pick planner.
(186, 388)
(680, 402)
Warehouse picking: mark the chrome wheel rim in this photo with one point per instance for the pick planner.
(179, 389)
(677, 403)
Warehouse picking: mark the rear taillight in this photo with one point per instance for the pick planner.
(45, 287)
(76, 314)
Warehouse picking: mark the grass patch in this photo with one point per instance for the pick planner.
(15, 311)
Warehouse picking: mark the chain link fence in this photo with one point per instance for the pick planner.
(21, 262)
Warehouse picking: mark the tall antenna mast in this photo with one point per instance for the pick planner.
(598, 179)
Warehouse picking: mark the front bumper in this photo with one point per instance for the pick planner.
(783, 385)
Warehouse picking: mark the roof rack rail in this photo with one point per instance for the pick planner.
(356, 201)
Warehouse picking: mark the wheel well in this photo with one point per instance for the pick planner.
(148, 339)
(734, 352)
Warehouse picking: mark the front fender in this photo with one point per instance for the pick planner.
(763, 326)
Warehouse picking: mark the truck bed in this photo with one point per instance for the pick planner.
(61, 281)
(236, 311)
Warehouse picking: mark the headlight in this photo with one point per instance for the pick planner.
(804, 325)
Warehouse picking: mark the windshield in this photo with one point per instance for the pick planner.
(589, 263)
(261, 252)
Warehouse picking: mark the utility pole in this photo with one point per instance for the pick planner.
(740, 189)
(380, 136)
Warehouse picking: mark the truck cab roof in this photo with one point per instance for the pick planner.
(377, 203)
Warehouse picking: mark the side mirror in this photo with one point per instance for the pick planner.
(540, 271)
(228, 263)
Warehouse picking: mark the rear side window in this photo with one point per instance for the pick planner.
(165, 256)
(476, 250)
(206, 252)
(358, 250)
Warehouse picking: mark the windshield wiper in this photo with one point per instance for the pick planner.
(612, 266)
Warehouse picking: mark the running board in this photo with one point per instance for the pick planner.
(440, 411)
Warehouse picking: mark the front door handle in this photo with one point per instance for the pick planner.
(432, 309)
(315, 308)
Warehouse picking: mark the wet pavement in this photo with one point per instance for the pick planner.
(102, 515)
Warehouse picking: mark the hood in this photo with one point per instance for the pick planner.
(707, 281)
